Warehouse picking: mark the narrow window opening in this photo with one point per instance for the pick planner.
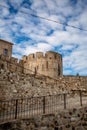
(37, 67)
(58, 70)
(47, 64)
(35, 71)
(42, 67)
(33, 55)
(5, 52)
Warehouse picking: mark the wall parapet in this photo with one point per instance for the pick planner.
(48, 64)
(49, 54)
(11, 63)
(7, 58)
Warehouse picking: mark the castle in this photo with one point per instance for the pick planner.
(48, 64)
(23, 95)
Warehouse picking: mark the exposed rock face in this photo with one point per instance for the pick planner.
(74, 119)
(15, 85)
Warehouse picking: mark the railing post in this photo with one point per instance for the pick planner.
(43, 104)
(16, 106)
(80, 97)
(64, 100)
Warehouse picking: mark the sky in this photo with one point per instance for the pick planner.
(33, 34)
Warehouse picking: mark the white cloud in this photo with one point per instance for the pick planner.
(46, 35)
(15, 3)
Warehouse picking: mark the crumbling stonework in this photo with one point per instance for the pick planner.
(39, 75)
(49, 64)
(10, 63)
(35, 75)
(19, 85)
(73, 119)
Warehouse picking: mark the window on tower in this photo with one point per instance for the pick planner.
(47, 64)
(5, 52)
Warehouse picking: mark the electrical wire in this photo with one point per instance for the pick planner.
(34, 15)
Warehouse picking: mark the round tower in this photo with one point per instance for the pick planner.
(48, 65)
(54, 64)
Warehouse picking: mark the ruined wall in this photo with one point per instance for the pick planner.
(13, 85)
(6, 48)
(10, 63)
(69, 82)
(49, 64)
(72, 119)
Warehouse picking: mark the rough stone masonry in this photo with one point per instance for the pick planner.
(34, 75)
(39, 75)
(49, 64)
(73, 119)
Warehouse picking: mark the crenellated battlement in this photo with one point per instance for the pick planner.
(49, 64)
(52, 55)
(38, 55)
(9, 59)
(11, 63)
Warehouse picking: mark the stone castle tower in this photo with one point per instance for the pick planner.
(49, 64)
(6, 48)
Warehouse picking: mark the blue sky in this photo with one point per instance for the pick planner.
(31, 34)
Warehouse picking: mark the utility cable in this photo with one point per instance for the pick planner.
(34, 15)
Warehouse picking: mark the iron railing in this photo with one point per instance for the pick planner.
(29, 107)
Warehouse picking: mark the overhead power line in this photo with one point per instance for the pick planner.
(65, 24)
(34, 15)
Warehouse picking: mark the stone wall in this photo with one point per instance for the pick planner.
(72, 119)
(19, 85)
(70, 82)
(10, 63)
(49, 64)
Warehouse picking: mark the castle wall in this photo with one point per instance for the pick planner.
(49, 64)
(11, 63)
(69, 82)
